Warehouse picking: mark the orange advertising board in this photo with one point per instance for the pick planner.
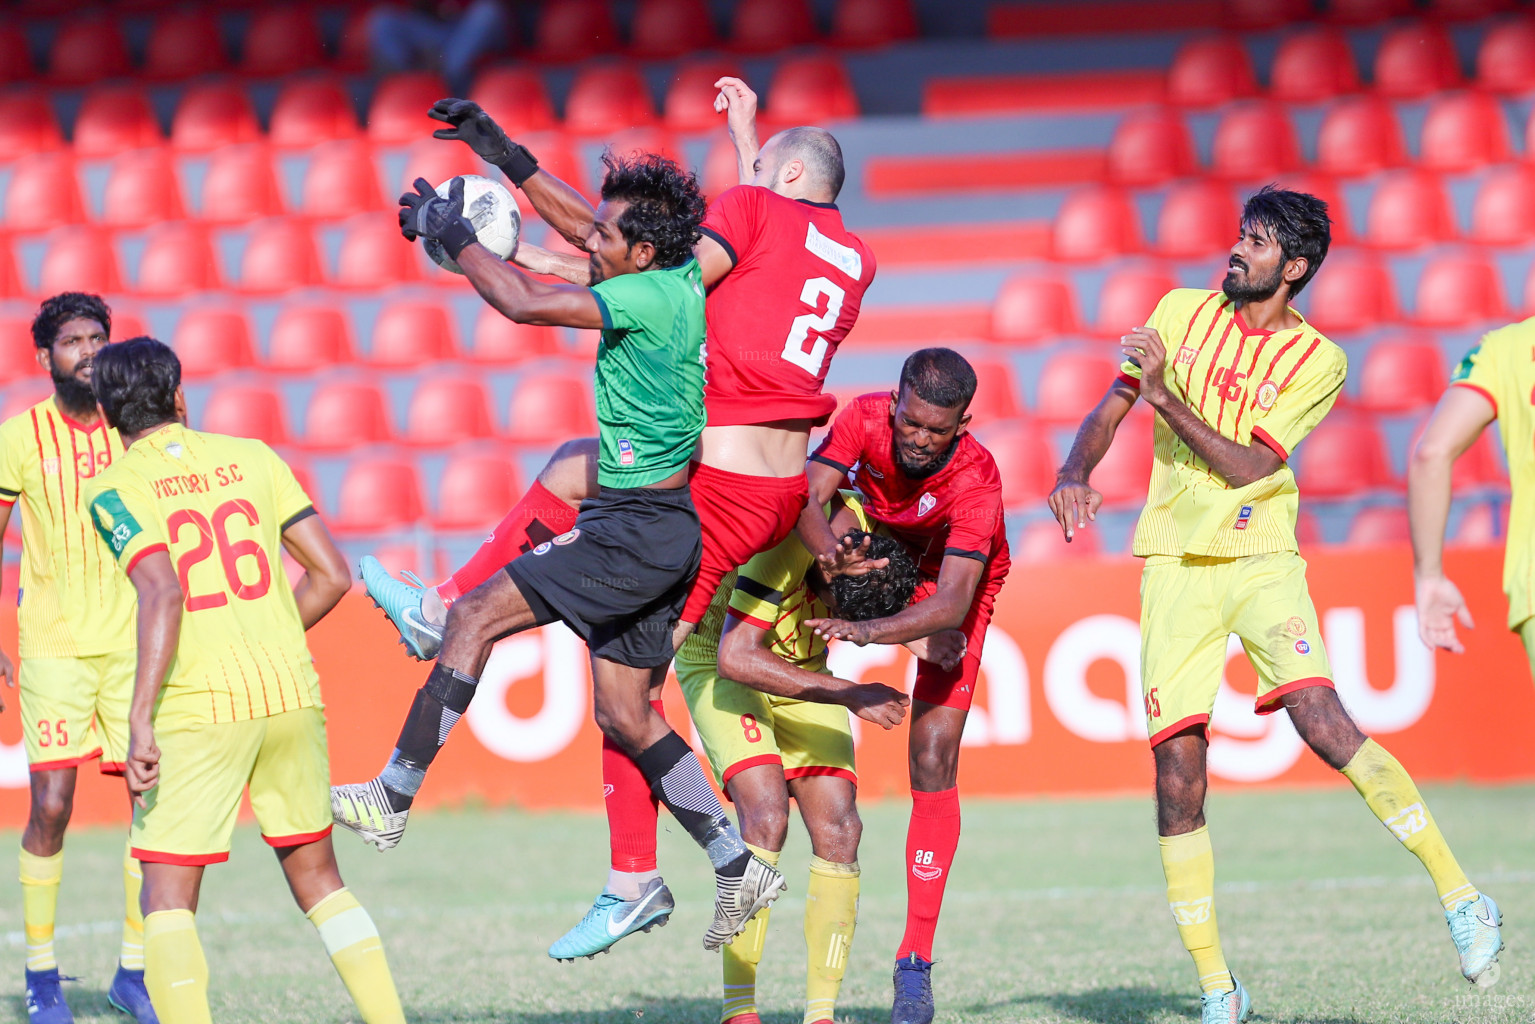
(1058, 710)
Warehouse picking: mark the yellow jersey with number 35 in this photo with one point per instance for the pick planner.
(218, 506)
(1502, 369)
(1250, 386)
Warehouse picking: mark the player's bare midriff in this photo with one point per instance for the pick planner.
(775, 449)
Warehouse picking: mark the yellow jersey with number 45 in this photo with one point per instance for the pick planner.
(1502, 369)
(218, 506)
(1251, 386)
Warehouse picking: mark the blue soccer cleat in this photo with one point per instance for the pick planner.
(1477, 928)
(611, 918)
(45, 998)
(401, 601)
(1230, 1007)
(129, 996)
(913, 991)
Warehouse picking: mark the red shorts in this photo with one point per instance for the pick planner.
(740, 515)
(956, 687)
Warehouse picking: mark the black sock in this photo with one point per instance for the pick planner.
(437, 708)
(677, 780)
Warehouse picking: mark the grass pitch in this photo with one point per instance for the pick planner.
(1055, 913)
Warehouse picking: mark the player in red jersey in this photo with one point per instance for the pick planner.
(786, 280)
(932, 485)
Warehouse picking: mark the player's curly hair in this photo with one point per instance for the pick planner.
(58, 310)
(1298, 221)
(881, 592)
(666, 206)
(135, 381)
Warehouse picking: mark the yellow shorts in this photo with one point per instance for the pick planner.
(1190, 607)
(205, 766)
(74, 710)
(742, 728)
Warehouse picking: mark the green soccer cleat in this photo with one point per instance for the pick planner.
(1477, 928)
(611, 918)
(1230, 1007)
(401, 601)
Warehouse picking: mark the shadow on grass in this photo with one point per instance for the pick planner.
(1136, 1004)
(641, 1011)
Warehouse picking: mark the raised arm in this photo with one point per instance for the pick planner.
(327, 577)
(159, 631)
(739, 104)
(1073, 502)
(7, 667)
(814, 529)
(535, 259)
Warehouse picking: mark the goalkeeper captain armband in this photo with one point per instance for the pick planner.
(520, 164)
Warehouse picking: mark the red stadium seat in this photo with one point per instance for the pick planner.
(1460, 290)
(558, 156)
(1150, 146)
(339, 181)
(1365, 12)
(1327, 190)
(212, 116)
(1408, 210)
(1379, 526)
(1480, 526)
(571, 30)
(412, 333)
(516, 98)
(354, 48)
(281, 40)
(308, 338)
(1342, 457)
(670, 28)
(18, 354)
(246, 410)
(178, 259)
(1095, 223)
(1401, 374)
(1034, 307)
(18, 399)
(113, 119)
(80, 259)
(345, 414)
(1478, 466)
(15, 55)
(125, 325)
(1042, 543)
(43, 193)
(689, 103)
(810, 90)
(378, 494)
(240, 186)
(635, 141)
(1505, 62)
(1255, 140)
(1416, 59)
(1356, 294)
(873, 22)
(551, 406)
(310, 111)
(398, 112)
(765, 26)
(721, 170)
(184, 44)
(996, 393)
(1198, 219)
(280, 256)
(499, 340)
(374, 255)
(1024, 458)
(608, 98)
(1259, 14)
(87, 50)
(1124, 475)
(1313, 65)
(1504, 210)
(430, 159)
(1467, 10)
(10, 281)
(1210, 71)
(475, 490)
(212, 340)
(1463, 132)
(1128, 297)
(447, 410)
(27, 124)
(1072, 382)
(1359, 135)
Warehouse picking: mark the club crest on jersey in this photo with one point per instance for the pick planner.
(625, 452)
(1301, 647)
(566, 538)
(925, 504)
(1295, 626)
(1243, 518)
(1268, 394)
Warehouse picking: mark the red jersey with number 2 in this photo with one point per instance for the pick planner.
(776, 319)
(956, 511)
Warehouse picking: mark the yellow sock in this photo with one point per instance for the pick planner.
(39, 903)
(1189, 864)
(831, 910)
(354, 947)
(132, 954)
(1391, 795)
(742, 954)
(175, 971)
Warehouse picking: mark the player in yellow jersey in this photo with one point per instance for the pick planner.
(225, 693)
(75, 620)
(1238, 379)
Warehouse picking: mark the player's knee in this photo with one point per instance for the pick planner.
(569, 471)
(621, 724)
(470, 616)
(934, 766)
(767, 827)
(51, 809)
(837, 837)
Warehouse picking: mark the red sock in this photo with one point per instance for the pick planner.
(632, 810)
(539, 516)
(931, 840)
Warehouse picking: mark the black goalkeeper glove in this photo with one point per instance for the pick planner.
(425, 214)
(479, 131)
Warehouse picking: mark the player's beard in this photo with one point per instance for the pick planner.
(921, 471)
(594, 271)
(74, 394)
(1244, 288)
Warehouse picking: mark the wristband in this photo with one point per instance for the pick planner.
(457, 237)
(520, 164)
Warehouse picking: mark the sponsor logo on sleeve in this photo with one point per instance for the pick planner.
(1302, 647)
(625, 452)
(1243, 518)
(567, 538)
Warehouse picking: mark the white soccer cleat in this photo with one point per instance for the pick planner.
(736, 900)
(364, 808)
(1476, 926)
(1230, 1007)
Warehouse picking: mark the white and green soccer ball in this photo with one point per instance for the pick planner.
(492, 210)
